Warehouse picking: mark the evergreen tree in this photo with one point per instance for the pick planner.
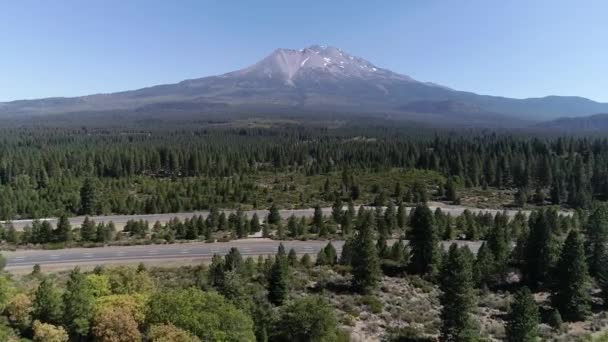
(336, 210)
(78, 303)
(274, 216)
(399, 253)
(216, 271)
(88, 230)
(401, 216)
(255, 223)
(364, 257)
(347, 252)
(12, 236)
(424, 241)
(390, 218)
(498, 243)
(458, 297)
(382, 247)
(484, 270)
(541, 251)
(318, 221)
(450, 190)
(596, 246)
(524, 317)
(556, 192)
(233, 260)
(47, 306)
(292, 226)
(87, 197)
(571, 291)
(292, 258)
(277, 284)
(63, 233)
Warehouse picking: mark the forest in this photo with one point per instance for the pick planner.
(58, 171)
(404, 273)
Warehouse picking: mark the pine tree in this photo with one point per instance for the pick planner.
(571, 291)
(541, 251)
(498, 243)
(347, 252)
(382, 247)
(450, 190)
(255, 223)
(78, 302)
(217, 270)
(458, 297)
(292, 226)
(364, 260)
(87, 230)
(556, 192)
(47, 304)
(233, 260)
(336, 210)
(596, 246)
(277, 283)
(318, 221)
(424, 242)
(401, 216)
(274, 216)
(87, 197)
(63, 233)
(390, 218)
(524, 317)
(484, 270)
(292, 258)
(331, 256)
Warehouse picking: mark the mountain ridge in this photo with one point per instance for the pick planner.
(308, 79)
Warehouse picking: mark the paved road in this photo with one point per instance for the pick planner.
(121, 220)
(186, 251)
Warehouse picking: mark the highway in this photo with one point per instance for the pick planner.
(195, 251)
(121, 220)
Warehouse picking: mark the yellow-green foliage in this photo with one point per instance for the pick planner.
(49, 333)
(100, 284)
(7, 291)
(169, 332)
(127, 280)
(135, 304)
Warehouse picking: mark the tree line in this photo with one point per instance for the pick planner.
(46, 171)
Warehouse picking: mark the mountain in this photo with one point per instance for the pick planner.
(314, 79)
(597, 123)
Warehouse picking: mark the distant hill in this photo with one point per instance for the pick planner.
(317, 78)
(597, 123)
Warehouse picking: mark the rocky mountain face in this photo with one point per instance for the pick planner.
(316, 78)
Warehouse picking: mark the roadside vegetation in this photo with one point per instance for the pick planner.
(551, 285)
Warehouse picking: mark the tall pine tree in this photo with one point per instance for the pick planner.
(424, 242)
(570, 291)
(524, 317)
(458, 296)
(364, 258)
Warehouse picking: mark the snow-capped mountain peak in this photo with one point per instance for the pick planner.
(289, 65)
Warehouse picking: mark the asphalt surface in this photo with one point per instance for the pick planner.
(187, 251)
(121, 220)
(196, 251)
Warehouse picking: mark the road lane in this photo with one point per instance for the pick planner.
(185, 251)
(121, 220)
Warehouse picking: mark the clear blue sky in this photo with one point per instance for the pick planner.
(517, 48)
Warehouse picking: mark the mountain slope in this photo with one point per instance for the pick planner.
(586, 124)
(311, 79)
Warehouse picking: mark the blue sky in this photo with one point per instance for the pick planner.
(513, 48)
